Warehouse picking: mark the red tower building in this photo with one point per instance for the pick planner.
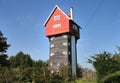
(63, 34)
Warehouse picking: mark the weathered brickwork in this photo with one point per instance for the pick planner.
(60, 53)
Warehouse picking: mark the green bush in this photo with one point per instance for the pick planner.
(111, 78)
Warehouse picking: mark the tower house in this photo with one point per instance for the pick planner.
(63, 34)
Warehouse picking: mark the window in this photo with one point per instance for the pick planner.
(51, 64)
(56, 25)
(64, 52)
(64, 43)
(52, 38)
(69, 43)
(69, 52)
(52, 45)
(52, 54)
(65, 63)
(65, 36)
(57, 17)
(74, 27)
(68, 62)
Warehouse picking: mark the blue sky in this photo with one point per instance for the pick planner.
(21, 21)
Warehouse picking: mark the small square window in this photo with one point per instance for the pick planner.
(69, 43)
(52, 54)
(65, 43)
(74, 27)
(52, 45)
(65, 36)
(64, 52)
(65, 63)
(52, 38)
(57, 17)
(69, 52)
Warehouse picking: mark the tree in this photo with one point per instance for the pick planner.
(104, 64)
(3, 49)
(111, 78)
(21, 59)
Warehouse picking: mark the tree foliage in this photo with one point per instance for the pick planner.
(21, 68)
(105, 64)
(111, 78)
(21, 59)
(3, 49)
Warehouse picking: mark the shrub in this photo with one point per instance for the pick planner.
(111, 78)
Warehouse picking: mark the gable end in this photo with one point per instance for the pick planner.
(53, 12)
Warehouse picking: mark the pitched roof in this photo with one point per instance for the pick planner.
(52, 13)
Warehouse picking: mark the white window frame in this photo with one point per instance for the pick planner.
(57, 17)
(56, 25)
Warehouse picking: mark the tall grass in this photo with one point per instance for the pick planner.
(84, 81)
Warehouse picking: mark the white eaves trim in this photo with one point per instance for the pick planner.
(52, 13)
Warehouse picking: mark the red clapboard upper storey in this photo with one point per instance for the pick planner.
(58, 23)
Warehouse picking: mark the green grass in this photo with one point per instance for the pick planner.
(84, 81)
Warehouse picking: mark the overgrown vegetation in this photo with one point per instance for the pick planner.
(107, 66)
(33, 72)
(84, 81)
(3, 48)
(111, 78)
(21, 68)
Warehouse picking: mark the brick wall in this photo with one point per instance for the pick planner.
(59, 51)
